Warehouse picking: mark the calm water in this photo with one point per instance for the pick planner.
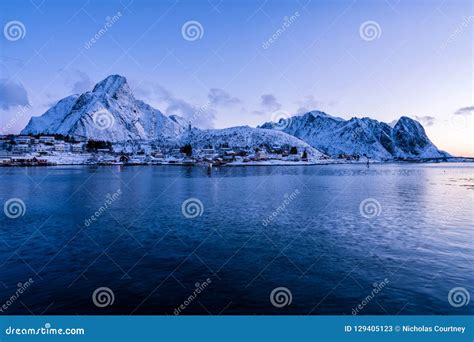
(317, 244)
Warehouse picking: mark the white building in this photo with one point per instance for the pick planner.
(22, 139)
(77, 148)
(47, 139)
(61, 147)
(21, 148)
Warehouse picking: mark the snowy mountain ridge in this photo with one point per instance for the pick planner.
(110, 112)
(360, 136)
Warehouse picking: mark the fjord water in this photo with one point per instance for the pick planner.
(317, 244)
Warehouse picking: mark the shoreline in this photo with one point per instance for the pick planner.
(253, 164)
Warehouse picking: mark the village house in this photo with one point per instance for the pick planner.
(46, 139)
(61, 147)
(22, 139)
(77, 148)
(21, 148)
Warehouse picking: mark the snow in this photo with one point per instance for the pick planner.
(320, 134)
(362, 136)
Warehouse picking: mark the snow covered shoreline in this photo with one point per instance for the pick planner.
(82, 162)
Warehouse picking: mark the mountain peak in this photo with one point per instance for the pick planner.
(111, 85)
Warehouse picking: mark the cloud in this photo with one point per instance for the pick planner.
(200, 116)
(269, 102)
(465, 111)
(78, 81)
(426, 120)
(220, 97)
(307, 104)
(12, 94)
(83, 84)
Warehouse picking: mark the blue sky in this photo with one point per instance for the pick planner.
(419, 64)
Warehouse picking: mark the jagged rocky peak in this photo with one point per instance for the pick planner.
(108, 112)
(361, 136)
(113, 85)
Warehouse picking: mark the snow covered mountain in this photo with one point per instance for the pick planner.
(245, 137)
(360, 136)
(108, 112)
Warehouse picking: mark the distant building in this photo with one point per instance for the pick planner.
(46, 139)
(21, 148)
(61, 147)
(22, 139)
(77, 148)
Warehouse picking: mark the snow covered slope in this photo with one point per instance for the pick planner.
(108, 112)
(245, 137)
(360, 136)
